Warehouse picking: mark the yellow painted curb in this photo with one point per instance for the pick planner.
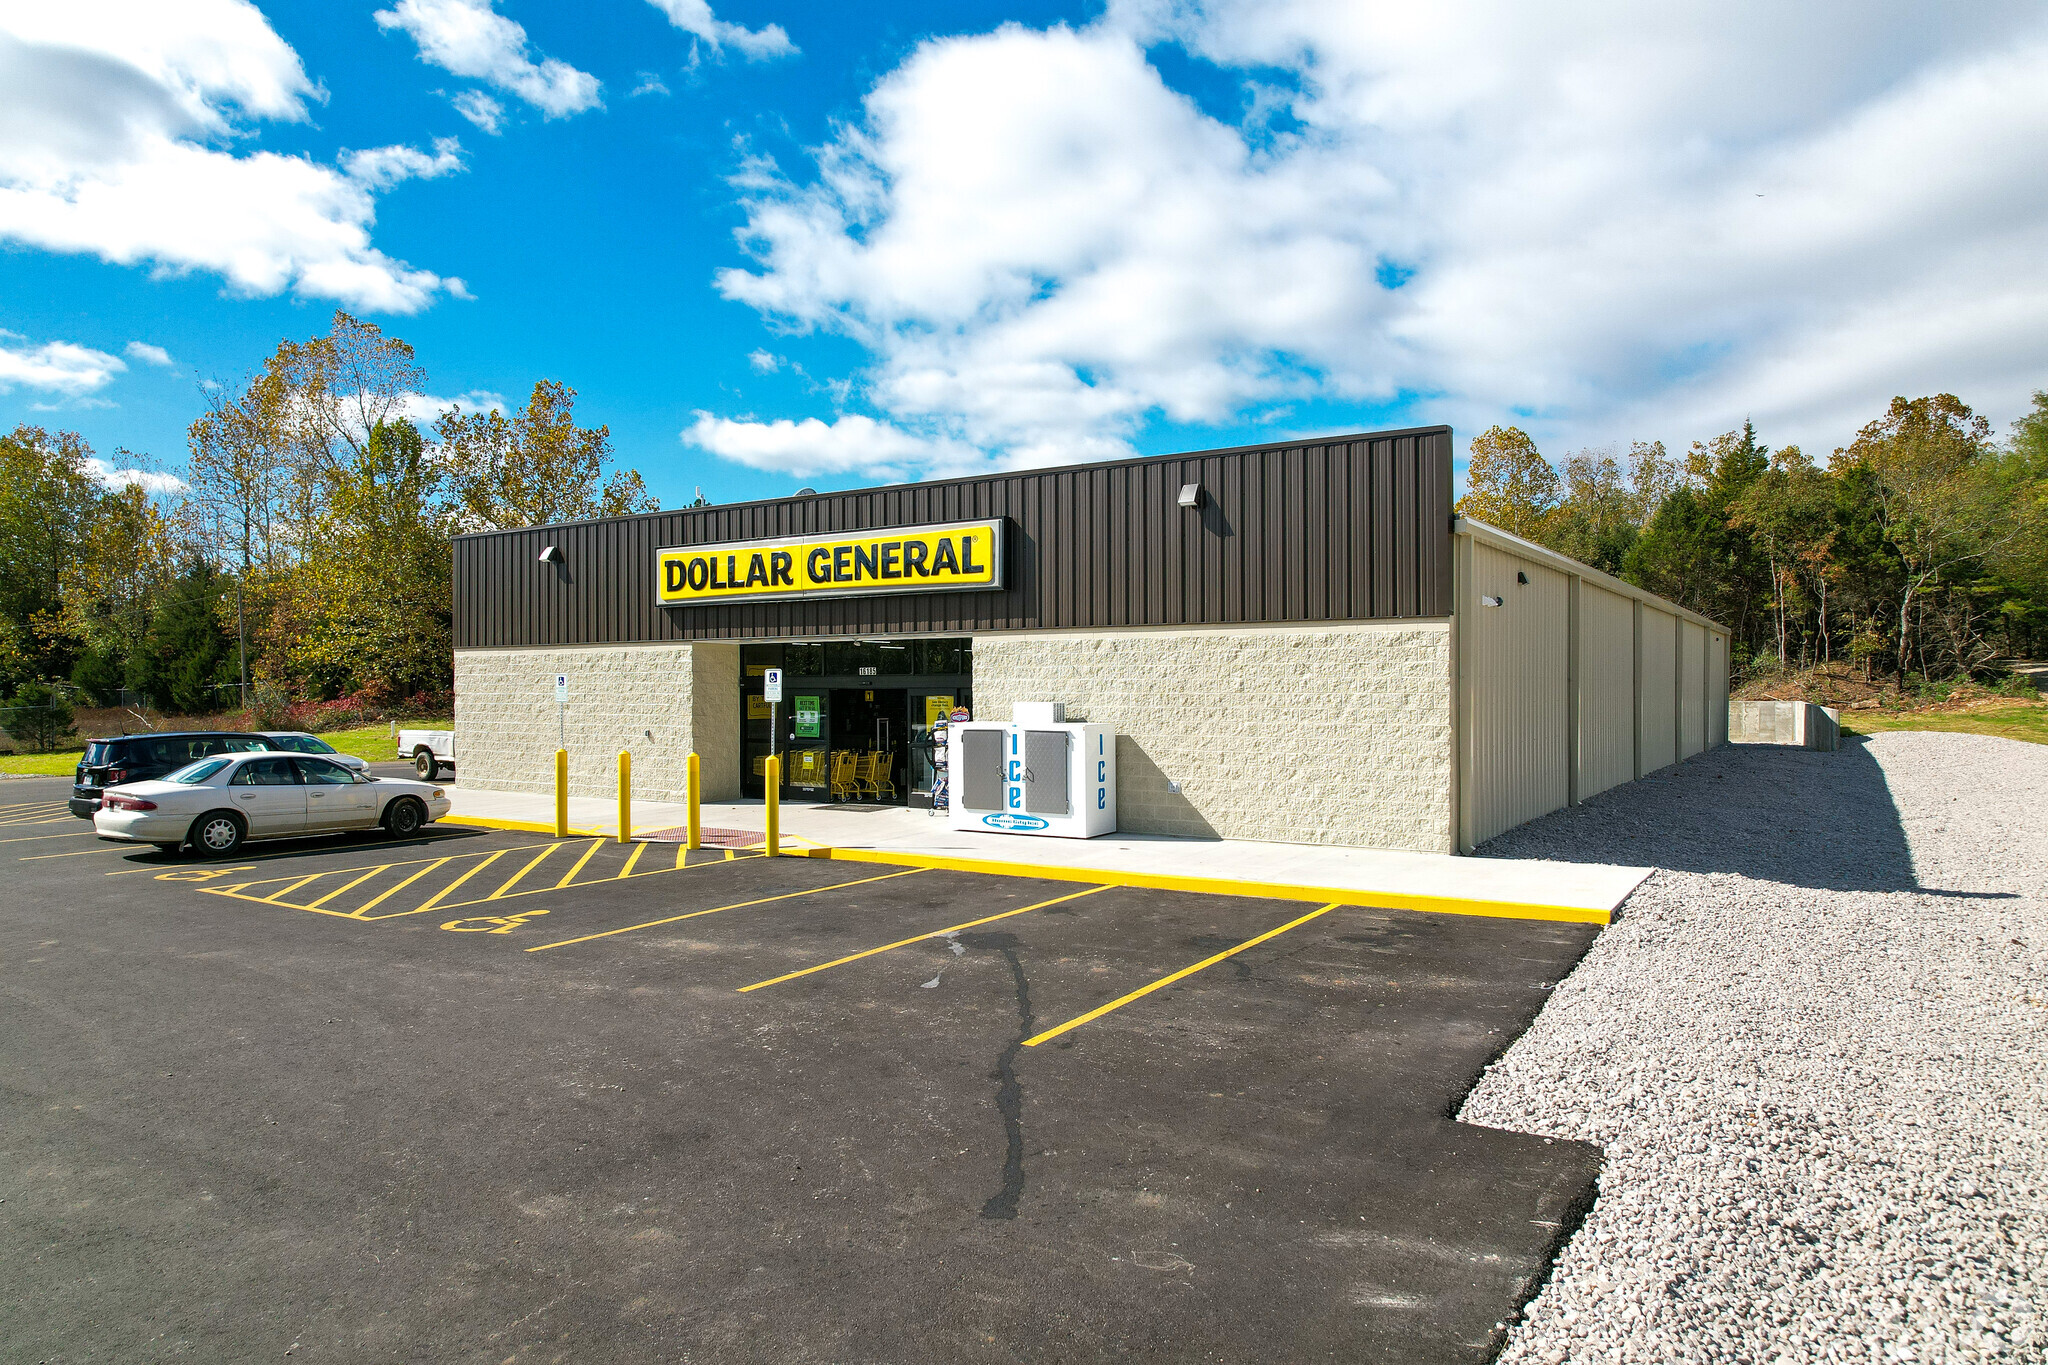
(522, 826)
(1221, 886)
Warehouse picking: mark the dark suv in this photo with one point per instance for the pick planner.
(138, 758)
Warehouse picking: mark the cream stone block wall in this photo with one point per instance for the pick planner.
(1319, 734)
(656, 701)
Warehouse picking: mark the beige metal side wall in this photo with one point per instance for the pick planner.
(1606, 678)
(1656, 673)
(1513, 663)
(656, 701)
(1692, 689)
(1334, 735)
(1717, 689)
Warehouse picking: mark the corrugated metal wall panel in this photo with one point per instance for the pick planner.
(1345, 528)
(1516, 662)
(1657, 649)
(1607, 686)
(1692, 689)
(1717, 689)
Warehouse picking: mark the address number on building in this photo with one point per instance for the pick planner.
(958, 556)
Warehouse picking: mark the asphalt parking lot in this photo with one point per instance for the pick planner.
(498, 1097)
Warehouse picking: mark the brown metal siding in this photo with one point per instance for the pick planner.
(1345, 528)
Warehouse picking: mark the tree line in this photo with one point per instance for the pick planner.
(306, 555)
(1920, 548)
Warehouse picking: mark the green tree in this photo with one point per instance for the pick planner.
(1940, 512)
(38, 715)
(188, 654)
(1511, 487)
(47, 499)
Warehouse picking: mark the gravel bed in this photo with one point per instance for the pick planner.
(1814, 1047)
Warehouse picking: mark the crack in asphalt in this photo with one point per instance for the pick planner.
(1009, 1090)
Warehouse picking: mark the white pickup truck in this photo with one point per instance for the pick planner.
(429, 750)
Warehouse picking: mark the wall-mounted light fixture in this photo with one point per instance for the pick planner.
(551, 555)
(1489, 601)
(1521, 577)
(1190, 495)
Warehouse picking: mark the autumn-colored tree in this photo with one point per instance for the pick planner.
(376, 591)
(1511, 486)
(536, 467)
(1927, 460)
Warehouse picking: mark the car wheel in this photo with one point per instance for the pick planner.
(405, 816)
(217, 834)
(423, 763)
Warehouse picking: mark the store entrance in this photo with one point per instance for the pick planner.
(870, 744)
(856, 719)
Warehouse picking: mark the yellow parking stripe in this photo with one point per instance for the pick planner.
(31, 838)
(920, 938)
(1146, 990)
(627, 870)
(538, 859)
(38, 857)
(445, 891)
(736, 905)
(588, 854)
(348, 887)
(383, 896)
(277, 898)
(38, 818)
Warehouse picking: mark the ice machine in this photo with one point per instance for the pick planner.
(1033, 774)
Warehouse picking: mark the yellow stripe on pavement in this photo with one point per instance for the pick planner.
(1146, 990)
(736, 905)
(920, 938)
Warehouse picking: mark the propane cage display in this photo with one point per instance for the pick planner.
(1034, 774)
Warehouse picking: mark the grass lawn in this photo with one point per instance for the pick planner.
(372, 742)
(2026, 720)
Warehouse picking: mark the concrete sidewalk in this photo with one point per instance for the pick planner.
(1514, 888)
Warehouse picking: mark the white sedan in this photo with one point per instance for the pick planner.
(216, 803)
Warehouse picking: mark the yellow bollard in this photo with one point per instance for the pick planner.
(773, 786)
(696, 796)
(625, 796)
(561, 793)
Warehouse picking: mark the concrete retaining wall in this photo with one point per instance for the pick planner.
(1333, 734)
(1800, 724)
(657, 701)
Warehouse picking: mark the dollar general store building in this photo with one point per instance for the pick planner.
(1294, 642)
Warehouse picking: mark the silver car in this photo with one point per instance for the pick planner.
(216, 803)
(299, 742)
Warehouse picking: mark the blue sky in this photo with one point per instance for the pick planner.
(782, 245)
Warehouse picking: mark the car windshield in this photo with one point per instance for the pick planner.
(96, 753)
(192, 774)
(309, 745)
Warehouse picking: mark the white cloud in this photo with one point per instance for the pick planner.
(764, 361)
(151, 480)
(55, 366)
(695, 17)
(112, 113)
(649, 84)
(480, 109)
(1599, 223)
(849, 444)
(382, 167)
(423, 409)
(470, 38)
(148, 354)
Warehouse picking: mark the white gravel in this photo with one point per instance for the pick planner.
(1815, 1049)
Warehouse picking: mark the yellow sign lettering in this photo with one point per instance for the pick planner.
(948, 558)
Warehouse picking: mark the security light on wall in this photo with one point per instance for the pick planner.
(1191, 495)
(551, 555)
